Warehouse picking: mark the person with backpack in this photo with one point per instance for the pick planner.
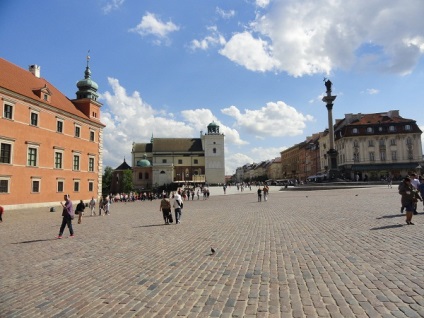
(165, 207)
(80, 210)
(178, 206)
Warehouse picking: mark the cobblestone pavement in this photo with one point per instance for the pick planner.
(338, 253)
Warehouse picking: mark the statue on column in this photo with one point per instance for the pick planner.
(328, 84)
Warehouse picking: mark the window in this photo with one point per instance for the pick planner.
(90, 186)
(370, 143)
(214, 150)
(8, 111)
(180, 161)
(140, 175)
(59, 126)
(5, 153)
(392, 128)
(32, 157)
(383, 156)
(372, 158)
(76, 186)
(91, 164)
(393, 142)
(196, 161)
(354, 130)
(58, 156)
(91, 135)
(146, 175)
(34, 119)
(46, 97)
(60, 186)
(35, 188)
(77, 131)
(163, 160)
(380, 129)
(355, 144)
(394, 156)
(4, 184)
(76, 164)
(370, 130)
(409, 141)
(407, 127)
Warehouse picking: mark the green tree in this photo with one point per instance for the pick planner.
(107, 180)
(127, 181)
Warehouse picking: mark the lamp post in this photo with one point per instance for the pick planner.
(332, 153)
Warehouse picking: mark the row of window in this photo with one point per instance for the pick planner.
(34, 121)
(371, 156)
(36, 185)
(33, 154)
(392, 128)
(382, 142)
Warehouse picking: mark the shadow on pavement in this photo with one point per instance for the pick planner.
(390, 216)
(150, 225)
(34, 241)
(386, 227)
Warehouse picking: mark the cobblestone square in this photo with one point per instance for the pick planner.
(328, 253)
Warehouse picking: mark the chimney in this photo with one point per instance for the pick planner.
(35, 70)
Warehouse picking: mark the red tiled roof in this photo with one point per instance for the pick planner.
(23, 82)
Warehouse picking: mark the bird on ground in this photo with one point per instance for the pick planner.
(212, 250)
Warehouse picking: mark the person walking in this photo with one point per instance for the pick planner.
(165, 207)
(406, 190)
(178, 206)
(68, 215)
(106, 205)
(1, 213)
(259, 194)
(92, 206)
(265, 191)
(80, 211)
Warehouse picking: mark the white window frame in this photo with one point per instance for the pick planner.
(8, 179)
(77, 181)
(370, 130)
(11, 142)
(37, 113)
(57, 185)
(91, 182)
(58, 120)
(354, 130)
(35, 179)
(408, 127)
(76, 154)
(392, 128)
(92, 133)
(61, 151)
(12, 106)
(75, 131)
(35, 146)
(393, 142)
(94, 163)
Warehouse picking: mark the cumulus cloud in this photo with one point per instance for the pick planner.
(235, 160)
(152, 25)
(213, 39)
(112, 5)
(262, 154)
(273, 120)
(225, 14)
(306, 37)
(253, 53)
(372, 91)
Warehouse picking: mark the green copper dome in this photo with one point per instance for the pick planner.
(143, 163)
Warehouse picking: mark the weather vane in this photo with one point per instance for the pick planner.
(88, 57)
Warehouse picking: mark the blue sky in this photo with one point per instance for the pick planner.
(169, 68)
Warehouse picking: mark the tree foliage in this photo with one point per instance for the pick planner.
(107, 180)
(127, 181)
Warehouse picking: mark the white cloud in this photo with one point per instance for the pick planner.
(262, 154)
(372, 91)
(262, 3)
(273, 120)
(254, 54)
(306, 37)
(235, 160)
(213, 39)
(225, 14)
(151, 25)
(112, 5)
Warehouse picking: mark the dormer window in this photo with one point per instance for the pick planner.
(407, 127)
(392, 128)
(370, 130)
(354, 130)
(43, 93)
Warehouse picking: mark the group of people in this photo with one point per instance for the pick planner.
(265, 191)
(411, 190)
(165, 207)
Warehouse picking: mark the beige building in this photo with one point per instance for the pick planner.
(180, 160)
(377, 145)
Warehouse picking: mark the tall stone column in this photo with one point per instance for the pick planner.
(332, 152)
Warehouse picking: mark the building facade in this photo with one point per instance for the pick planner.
(50, 145)
(180, 160)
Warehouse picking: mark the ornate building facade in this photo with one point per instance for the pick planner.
(180, 160)
(50, 145)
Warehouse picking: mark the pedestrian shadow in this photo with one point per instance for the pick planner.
(34, 241)
(149, 225)
(393, 226)
(390, 216)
